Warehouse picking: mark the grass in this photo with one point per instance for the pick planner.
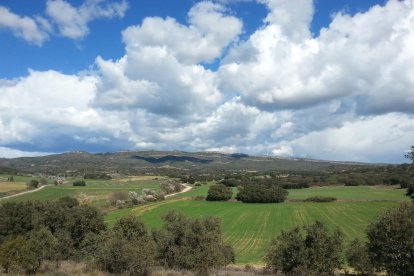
(357, 193)
(12, 186)
(249, 228)
(97, 190)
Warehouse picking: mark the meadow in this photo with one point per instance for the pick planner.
(249, 228)
(96, 190)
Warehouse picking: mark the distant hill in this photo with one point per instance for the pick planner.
(138, 162)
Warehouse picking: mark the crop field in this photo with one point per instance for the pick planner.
(6, 186)
(249, 228)
(97, 190)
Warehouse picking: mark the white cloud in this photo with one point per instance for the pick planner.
(344, 95)
(362, 58)
(202, 41)
(384, 138)
(73, 21)
(13, 153)
(33, 30)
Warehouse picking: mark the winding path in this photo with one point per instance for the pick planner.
(25, 192)
(186, 189)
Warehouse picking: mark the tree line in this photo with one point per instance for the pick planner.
(34, 232)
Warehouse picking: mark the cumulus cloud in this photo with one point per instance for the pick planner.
(34, 30)
(160, 72)
(346, 94)
(365, 57)
(72, 22)
(384, 138)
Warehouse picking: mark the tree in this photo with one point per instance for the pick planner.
(391, 242)
(219, 192)
(83, 220)
(127, 249)
(33, 183)
(358, 258)
(194, 244)
(311, 250)
(12, 253)
(79, 183)
(410, 154)
(11, 178)
(252, 193)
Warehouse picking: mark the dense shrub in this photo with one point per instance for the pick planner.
(118, 196)
(390, 241)
(79, 183)
(33, 183)
(44, 231)
(230, 182)
(261, 194)
(358, 258)
(171, 187)
(127, 249)
(320, 199)
(301, 185)
(219, 192)
(102, 176)
(312, 249)
(194, 244)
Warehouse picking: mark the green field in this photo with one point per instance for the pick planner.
(249, 228)
(97, 190)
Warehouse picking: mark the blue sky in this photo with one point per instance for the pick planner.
(323, 79)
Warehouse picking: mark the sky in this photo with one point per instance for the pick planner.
(322, 79)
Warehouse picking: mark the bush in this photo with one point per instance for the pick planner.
(79, 183)
(43, 181)
(320, 199)
(102, 176)
(229, 182)
(33, 183)
(261, 194)
(118, 196)
(358, 258)
(390, 241)
(194, 244)
(311, 249)
(127, 249)
(219, 192)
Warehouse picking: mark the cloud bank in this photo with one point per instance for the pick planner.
(346, 94)
(71, 22)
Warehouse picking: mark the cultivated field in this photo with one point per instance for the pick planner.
(249, 228)
(96, 190)
(6, 186)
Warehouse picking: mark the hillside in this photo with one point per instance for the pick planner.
(139, 162)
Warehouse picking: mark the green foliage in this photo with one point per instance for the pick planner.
(84, 220)
(17, 218)
(102, 176)
(43, 181)
(11, 178)
(33, 183)
(390, 241)
(194, 244)
(219, 192)
(358, 258)
(261, 194)
(230, 182)
(311, 249)
(320, 199)
(12, 253)
(79, 183)
(127, 249)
